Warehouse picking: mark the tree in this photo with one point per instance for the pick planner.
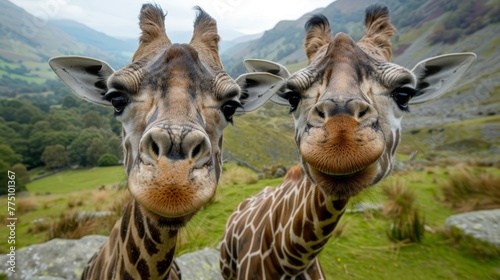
(54, 156)
(92, 119)
(22, 176)
(4, 168)
(8, 155)
(115, 146)
(107, 160)
(96, 149)
(39, 140)
(69, 101)
(86, 149)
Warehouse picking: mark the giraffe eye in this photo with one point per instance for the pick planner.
(118, 100)
(402, 96)
(293, 98)
(229, 108)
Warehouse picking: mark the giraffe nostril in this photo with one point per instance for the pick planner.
(362, 113)
(196, 150)
(320, 113)
(155, 149)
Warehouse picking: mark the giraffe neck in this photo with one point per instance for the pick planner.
(139, 247)
(308, 217)
(280, 231)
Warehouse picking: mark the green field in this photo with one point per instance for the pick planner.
(78, 180)
(362, 251)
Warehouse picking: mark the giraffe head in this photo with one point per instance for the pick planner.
(173, 101)
(349, 101)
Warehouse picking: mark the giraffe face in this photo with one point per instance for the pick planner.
(174, 101)
(347, 106)
(173, 109)
(349, 101)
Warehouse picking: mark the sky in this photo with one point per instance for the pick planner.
(118, 18)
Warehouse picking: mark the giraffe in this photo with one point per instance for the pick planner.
(173, 101)
(347, 105)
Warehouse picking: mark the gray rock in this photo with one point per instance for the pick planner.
(93, 214)
(200, 265)
(60, 259)
(364, 207)
(482, 225)
(55, 259)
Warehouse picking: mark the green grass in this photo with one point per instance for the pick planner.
(362, 252)
(78, 180)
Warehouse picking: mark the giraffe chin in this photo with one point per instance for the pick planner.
(174, 196)
(169, 222)
(343, 185)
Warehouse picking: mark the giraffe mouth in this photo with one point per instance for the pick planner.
(343, 185)
(171, 223)
(340, 174)
(177, 195)
(175, 223)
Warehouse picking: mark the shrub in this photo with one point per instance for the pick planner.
(26, 205)
(107, 160)
(71, 225)
(400, 200)
(122, 198)
(407, 228)
(38, 227)
(466, 191)
(406, 223)
(234, 174)
(74, 202)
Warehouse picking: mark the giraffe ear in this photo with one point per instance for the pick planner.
(436, 75)
(86, 77)
(267, 66)
(262, 65)
(256, 89)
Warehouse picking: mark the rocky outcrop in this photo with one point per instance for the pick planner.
(60, 259)
(200, 265)
(55, 259)
(482, 225)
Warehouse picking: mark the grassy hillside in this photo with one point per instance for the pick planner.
(27, 43)
(119, 47)
(263, 138)
(77, 180)
(361, 249)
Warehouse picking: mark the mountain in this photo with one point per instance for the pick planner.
(464, 124)
(91, 37)
(224, 45)
(28, 42)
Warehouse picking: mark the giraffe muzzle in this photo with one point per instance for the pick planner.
(175, 143)
(174, 176)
